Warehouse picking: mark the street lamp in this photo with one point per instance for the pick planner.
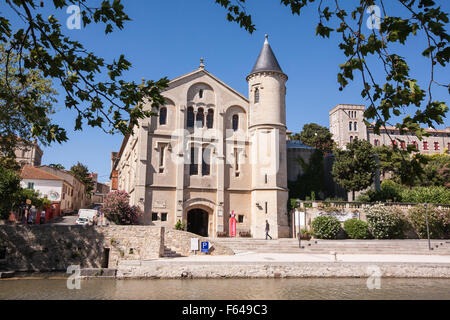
(428, 228)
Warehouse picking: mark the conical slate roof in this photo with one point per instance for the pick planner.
(266, 60)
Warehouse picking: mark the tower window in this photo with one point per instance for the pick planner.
(355, 127)
(256, 95)
(235, 122)
(200, 118)
(200, 93)
(425, 145)
(164, 216)
(162, 149)
(210, 119)
(154, 216)
(206, 161)
(190, 117)
(162, 116)
(193, 168)
(240, 218)
(236, 161)
(351, 139)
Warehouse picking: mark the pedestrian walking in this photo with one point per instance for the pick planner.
(267, 230)
(42, 217)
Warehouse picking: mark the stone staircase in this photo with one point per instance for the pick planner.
(169, 253)
(409, 246)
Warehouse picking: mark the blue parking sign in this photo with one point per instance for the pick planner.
(205, 246)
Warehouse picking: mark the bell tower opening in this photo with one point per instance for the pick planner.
(197, 222)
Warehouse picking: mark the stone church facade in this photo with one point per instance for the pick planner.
(212, 152)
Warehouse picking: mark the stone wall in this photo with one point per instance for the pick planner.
(52, 247)
(157, 269)
(55, 247)
(180, 242)
(344, 210)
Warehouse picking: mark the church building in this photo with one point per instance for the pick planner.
(211, 153)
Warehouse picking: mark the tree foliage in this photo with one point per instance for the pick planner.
(370, 49)
(94, 88)
(9, 185)
(311, 180)
(26, 102)
(117, 209)
(316, 136)
(354, 168)
(81, 172)
(406, 169)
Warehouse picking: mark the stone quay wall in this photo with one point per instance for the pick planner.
(53, 247)
(158, 269)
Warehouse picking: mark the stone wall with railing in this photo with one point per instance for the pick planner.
(342, 210)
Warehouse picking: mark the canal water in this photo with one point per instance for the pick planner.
(239, 289)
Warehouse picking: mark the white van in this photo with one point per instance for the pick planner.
(87, 213)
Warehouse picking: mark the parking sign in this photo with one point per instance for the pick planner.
(205, 246)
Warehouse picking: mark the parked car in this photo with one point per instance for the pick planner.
(87, 213)
(82, 221)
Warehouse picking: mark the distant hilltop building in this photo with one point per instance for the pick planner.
(28, 153)
(212, 152)
(347, 123)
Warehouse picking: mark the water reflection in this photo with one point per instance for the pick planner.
(239, 289)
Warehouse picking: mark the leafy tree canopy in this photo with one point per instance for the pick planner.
(41, 48)
(81, 172)
(26, 101)
(58, 166)
(377, 48)
(316, 136)
(9, 185)
(354, 168)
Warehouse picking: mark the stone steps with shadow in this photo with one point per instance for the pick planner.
(169, 253)
(440, 247)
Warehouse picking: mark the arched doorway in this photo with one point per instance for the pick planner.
(197, 222)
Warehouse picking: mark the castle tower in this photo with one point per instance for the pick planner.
(267, 130)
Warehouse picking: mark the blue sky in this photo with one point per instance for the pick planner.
(167, 38)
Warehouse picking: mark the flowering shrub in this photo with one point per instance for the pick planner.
(117, 209)
(356, 229)
(385, 222)
(326, 227)
(438, 222)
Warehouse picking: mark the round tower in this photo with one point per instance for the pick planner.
(267, 90)
(267, 129)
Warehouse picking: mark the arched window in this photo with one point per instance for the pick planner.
(210, 119)
(355, 126)
(351, 139)
(200, 93)
(190, 117)
(200, 118)
(235, 122)
(256, 95)
(162, 115)
(350, 126)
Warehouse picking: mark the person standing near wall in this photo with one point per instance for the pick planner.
(267, 230)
